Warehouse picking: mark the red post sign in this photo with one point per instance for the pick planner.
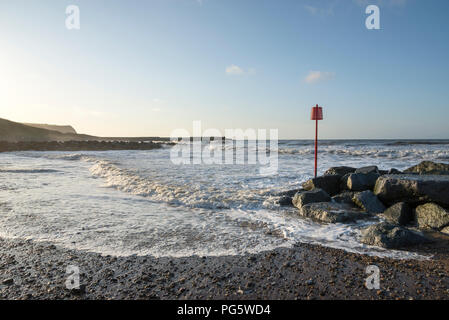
(317, 114)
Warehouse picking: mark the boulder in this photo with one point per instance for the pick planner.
(317, 195)
(431, 216)
(329, 183)
(400, 213)
(341, 171)
(331, 212)
(429, 167)
(391, 236)
(368, 202)
(344, 197)
(362, 181)
(366, 170)
(414, 189)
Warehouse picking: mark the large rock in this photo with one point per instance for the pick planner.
(391, 236)
(368, 202)
(400, 213)
(329, 183)
(362, 181)
(413, 189)
(344, 197)
(431, 216)
(317, 195)
(341, 171)
(331, 212)
(429, 167)
(367, 170)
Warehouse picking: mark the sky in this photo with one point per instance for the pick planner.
(146, 68)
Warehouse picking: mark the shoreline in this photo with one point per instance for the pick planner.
(37, 270)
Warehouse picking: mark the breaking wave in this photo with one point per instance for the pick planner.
(189, 195)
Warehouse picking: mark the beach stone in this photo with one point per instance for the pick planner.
(368, 201)
(429, 167)
(415, 189)
(329, 183)
(400, 213)
(344, 197)
(391, 236)
(362, 181)
(341, 171)
(331, 212)
(317, 195)
(432, 216)
(367, 170)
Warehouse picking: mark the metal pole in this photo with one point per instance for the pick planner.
(316, 146)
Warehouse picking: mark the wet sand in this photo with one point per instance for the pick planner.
(30, 270)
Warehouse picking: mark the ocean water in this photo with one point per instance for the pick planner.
(139, 202)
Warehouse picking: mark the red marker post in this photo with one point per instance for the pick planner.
(317, 114)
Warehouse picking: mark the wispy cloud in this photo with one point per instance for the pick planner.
(321, 11)
(235, 70)
(318, 76)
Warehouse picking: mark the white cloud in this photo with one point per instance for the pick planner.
(318, 76)
(234, 70)
(156, 109)
(312, 10)
(324, 12)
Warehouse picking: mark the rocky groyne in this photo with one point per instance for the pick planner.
(77, 145)
(409, 204)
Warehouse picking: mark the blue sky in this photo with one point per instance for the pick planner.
(144, 68)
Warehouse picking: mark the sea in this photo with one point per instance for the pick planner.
(124, 203)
